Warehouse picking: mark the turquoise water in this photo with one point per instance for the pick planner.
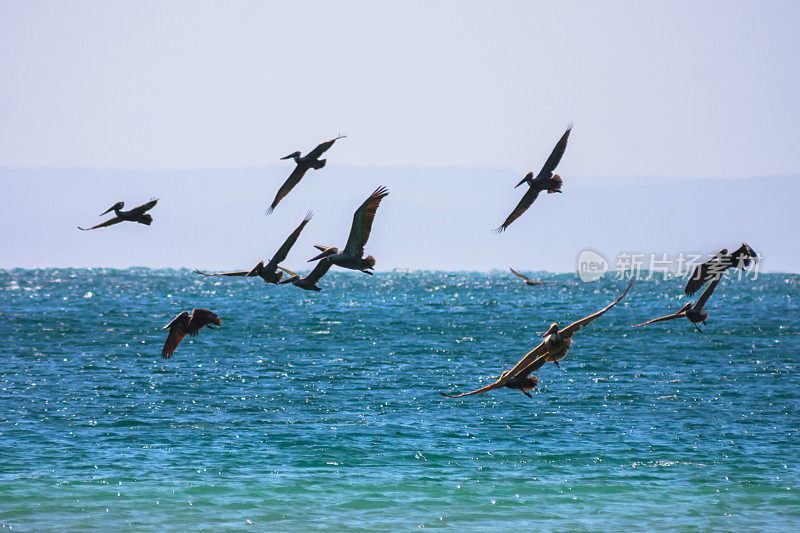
(321, 409)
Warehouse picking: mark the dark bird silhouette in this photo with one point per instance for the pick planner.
(528, 281)
(269, 272)
(137, 214)
(694, 313)
(715, 267)
(303, 163)
(309, 282)
(544, 181)
(184, 324)
(553, 348)
(352, 256)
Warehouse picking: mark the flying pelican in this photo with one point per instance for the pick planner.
(352, 256)
(309, 282)
(553, 348)
(137, 214)
(718, 264)
(310, 160)
(528, 281)
(269, 273)
(694, 313)
(544, 181)
(187, 323)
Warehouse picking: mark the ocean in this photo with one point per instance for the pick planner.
(321, 410)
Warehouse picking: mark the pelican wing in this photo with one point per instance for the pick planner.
(293, 179)
(741, 257)
(714, 267)
(236, 273)
(706, 295)
(527, 200)
(322, 148)
(283, 251)
(570, 330)
(496, 385)
(144, 208)
(319, 270)
(527, 359)
(555, 156)
(523, 276)
(177, 331)
(535, 365)
(362, 222)
(109, 222)
(673, 316)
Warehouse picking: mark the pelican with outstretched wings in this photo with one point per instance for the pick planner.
(716, 266)
(187, 324)
(544, 181)
(137, 214)
(528, 281)
(309, 282)
(694, 313)
(352, 256)
(269, 272)
(553, 348)
(302, 164)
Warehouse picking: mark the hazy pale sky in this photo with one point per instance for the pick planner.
(654, 88)
(447, 103)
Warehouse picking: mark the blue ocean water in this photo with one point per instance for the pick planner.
(320, 410)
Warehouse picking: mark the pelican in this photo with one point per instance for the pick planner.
(694, 312)
(187, 323)
(718, 264)
(309, 282)
(269, 273)
(544, 181)
(303, 163)
(352, 256)
(553, 348)
(137, 214)
(528, 281)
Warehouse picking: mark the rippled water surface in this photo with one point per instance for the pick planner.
(321, 409)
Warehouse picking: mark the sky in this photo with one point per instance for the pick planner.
(447, 103)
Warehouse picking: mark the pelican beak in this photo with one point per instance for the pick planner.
(290, 156)
(326, 253)
(527, 177)
(108, 210)
(287, 280)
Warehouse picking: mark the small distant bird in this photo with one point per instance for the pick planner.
(718, 264)
(309, 282)
(352, 256)
(528, 281)
(553, 348)
(310, 160)
(137, 214)
(184, 324)
(694, 312)
(269, 273)
(544, 181)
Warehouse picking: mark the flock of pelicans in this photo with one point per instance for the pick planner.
(556, 342)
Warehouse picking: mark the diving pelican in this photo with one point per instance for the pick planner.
(269, 273)
(544, 181)
(528, 281)
(137, 214)
(694, 312)
(309, 282)
(718, 264)
(184, 324)
(352, 256)
(553, 348)
(310, 160)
